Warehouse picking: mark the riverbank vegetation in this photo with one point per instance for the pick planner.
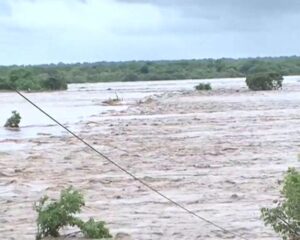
(53, 215)
(56, 76)
(31, 79)
(285, 217)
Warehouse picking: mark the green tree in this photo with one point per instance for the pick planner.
(220, 65)
(264, 81)
(131, 77)
(56, 214)
(52, 80)
(285, 217)
(4, 84)
(21, 77)
(144, 69)
(14, 120)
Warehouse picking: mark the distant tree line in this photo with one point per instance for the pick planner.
(31, 79)
(56, 76)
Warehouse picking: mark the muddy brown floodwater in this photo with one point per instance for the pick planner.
(219, 153)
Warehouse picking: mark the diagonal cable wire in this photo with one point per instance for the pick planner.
(129, 173)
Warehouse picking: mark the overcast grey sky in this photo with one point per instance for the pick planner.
(45, 31)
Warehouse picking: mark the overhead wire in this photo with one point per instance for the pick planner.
(175, 203)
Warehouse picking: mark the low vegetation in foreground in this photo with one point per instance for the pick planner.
(285, 217)
(56, 214)
(56, 76)
(13, 121)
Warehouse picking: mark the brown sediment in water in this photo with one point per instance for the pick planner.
(220, 154)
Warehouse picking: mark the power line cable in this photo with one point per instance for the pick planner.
(129, 173)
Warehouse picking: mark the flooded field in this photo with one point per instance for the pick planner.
(219, 153)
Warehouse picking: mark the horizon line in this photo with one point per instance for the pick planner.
(143, 60)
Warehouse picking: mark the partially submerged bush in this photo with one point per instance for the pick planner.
(203, 86)
(94, 229)
(14, 120)
(54, 215)
(112, 101)
(285, 218)
(264, 81)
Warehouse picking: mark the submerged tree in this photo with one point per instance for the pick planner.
(264, 81)
(14, 120)
(203, 86)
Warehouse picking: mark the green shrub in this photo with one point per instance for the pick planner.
(264, 81)
(14, 120)
(53, 215)
(94, 229)
(285, 217)
(56, 214)
(203, 86)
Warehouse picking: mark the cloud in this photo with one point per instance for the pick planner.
(42, 31)
(235, 15)
(257, 6)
